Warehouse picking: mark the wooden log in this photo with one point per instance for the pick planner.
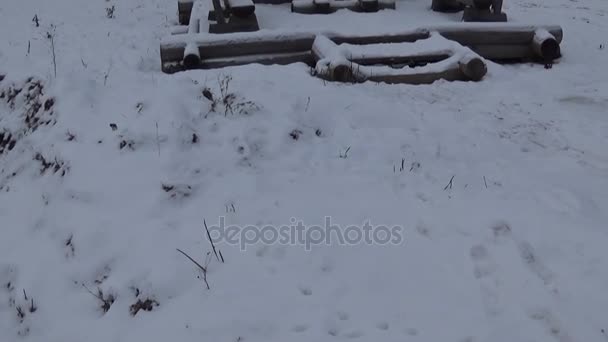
(192, 57)
(241, 8)
(545, 45)
(264, 59)
(472, 14)
(369, 5)
(321, 6)
(511, 52)
(485, 33)
(473, 67)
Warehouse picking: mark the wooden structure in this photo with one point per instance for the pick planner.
(330, 6)
(397, 63)
(497, 42)
(474, 10)
(452, 52)
(227, 16)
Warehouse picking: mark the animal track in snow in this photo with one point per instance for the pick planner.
(382, 325)
(300, 328)
(305, 291)
(551, 324)
(484, 269)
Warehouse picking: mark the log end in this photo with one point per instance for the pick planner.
(549, 49)
(342, 73)
(192, 61)
(474, 68)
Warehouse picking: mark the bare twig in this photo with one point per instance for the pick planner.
(211, 240)
(105, 77)
(50, 35)
(484, 182)
(345, 154)
(449, 186)
(203, 269)
(157, 139)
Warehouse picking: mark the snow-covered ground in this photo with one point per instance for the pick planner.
(111, 166)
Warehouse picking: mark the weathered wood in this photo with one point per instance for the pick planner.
(219, 12)
(236, 24)
(371, 5)
(264, 59)
(447, 6)
(472, 14)
(331, 6)
(241, 8)
(184, 9)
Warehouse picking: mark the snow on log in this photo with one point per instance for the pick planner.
(473, 67)
(179, 29)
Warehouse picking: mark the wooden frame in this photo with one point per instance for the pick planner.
(444, 59)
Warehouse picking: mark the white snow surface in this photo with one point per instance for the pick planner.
(515, 250)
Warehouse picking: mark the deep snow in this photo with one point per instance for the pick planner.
(514, 250)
